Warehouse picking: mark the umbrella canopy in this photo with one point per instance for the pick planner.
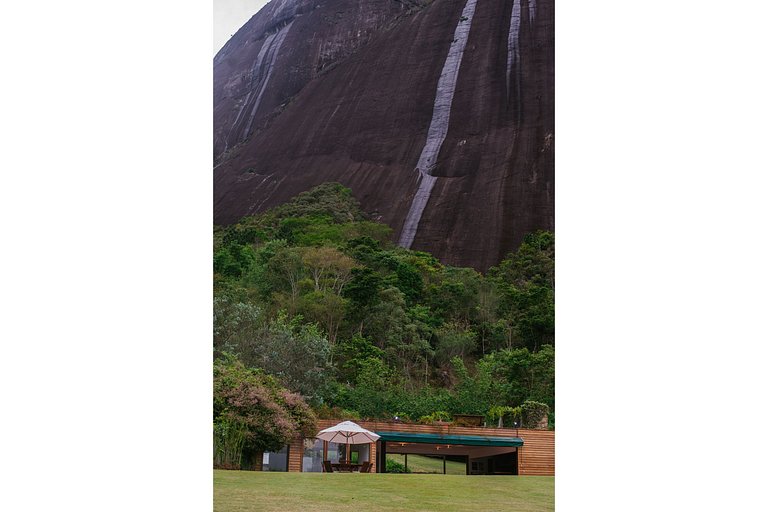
(347, 432)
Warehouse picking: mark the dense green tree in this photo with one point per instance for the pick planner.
(326, 308)
(329, 268)
(453, 294)
(362, 291)
(386, 322)
(543, 376)
(530, 313)
(364, 249)
(509, 371)
(369, 396)
(454, 340)
(490, 335)
(287, 270)
(296, 353)
(526, 280)
(233, 260)
(352, 353)
(408, 279)
(234, 322)
(472, 394)
(532, 263)
(329, 199)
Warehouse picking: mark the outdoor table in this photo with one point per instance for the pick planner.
(344, 467)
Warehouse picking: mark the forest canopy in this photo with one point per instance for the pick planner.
(314, 296)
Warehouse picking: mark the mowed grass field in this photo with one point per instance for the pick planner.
(246, 491)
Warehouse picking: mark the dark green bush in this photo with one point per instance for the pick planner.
(533, 412)
(435, 416)
(504, 416)
(395, 467)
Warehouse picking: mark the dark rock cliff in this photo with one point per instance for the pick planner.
(439, 115)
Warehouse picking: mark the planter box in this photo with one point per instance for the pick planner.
(468, 420)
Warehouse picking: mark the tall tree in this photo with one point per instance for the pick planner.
(296, 353)
(329, 268)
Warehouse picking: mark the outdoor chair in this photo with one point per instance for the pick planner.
(366, 467)
(327, 466)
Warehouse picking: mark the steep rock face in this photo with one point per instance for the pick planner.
(391, 99)
(279, 50)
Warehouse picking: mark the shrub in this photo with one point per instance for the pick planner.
(327, 412)
(435, 416)
(533, 412)
(228, 443)
(505, 416)
(252, 413)
(395, 467)
(402, 416)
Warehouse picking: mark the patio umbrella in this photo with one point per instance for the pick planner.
(347, 432)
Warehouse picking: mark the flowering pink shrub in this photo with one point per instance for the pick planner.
(252, 413)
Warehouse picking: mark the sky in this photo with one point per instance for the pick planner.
(229, 16)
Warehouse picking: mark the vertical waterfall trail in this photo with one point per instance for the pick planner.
(438, 127)
(259, 79)
(513, 48)
(274, 49)
(254, 76)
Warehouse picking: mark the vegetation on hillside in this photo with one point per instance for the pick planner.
(315, 295)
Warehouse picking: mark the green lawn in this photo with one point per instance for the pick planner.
(421, 464)
(240, 491)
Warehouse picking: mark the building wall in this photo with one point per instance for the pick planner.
(535, 457)
(295, 454)
(373, 457)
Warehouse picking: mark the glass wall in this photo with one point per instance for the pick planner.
(359, 453)
(275, 461)
(312, 461)
(333, 452)
(430, 464)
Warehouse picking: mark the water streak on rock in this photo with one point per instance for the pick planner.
(253, 81)
(438, 128)
(513, 45)
(272, 45)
